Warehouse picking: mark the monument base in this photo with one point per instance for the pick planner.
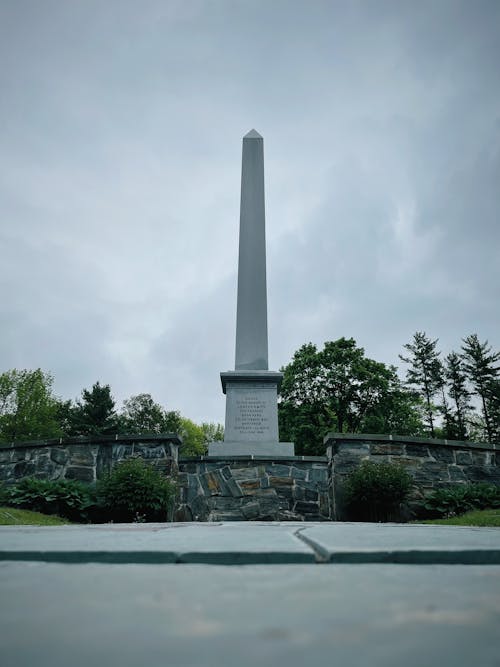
(271, 449)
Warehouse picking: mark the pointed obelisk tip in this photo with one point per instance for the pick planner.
(253, 134)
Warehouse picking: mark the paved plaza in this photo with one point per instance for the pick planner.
(219, 595)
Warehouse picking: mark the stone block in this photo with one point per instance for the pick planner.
(262, 493)
(303, 507)
(318, 474)
(353, 449)
(182, 513)
(249, 485)
(234, 515)
(457, 474)
(24, 469)
(463, 458)
(80, 473)
(432, 471)
(251, 510)
(234, 488)
(324, 505)
(298, 473)
(278, 470)
(445, 454)
(344, 465)
(120, 451)
(199, 508)
(5, 455)
(394, 449)
(489, 474)
(419, 451)
(81, 455)
(19, 455)
(244, 473)
(480, 458)
(280, 481)
(213, 483)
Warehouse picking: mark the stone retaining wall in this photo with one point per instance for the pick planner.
(243, 488)
(432, 463)
(298, 488)
(84, 459)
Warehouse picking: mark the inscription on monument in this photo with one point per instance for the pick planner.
(252, 411)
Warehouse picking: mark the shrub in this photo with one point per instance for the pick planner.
(375, 491)
(135, 491)
(456, 500)
(67, 498)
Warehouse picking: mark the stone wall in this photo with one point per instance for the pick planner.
(84, 459)
(433, 464)
(244, 488)
(240, 488)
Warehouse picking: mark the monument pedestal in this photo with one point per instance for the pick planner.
(251, 415)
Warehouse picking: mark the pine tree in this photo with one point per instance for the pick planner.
(482, 368)
(425, 372)
(460, 395)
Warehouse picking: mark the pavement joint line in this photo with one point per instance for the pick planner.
(321, 554)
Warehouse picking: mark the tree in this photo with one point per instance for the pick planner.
(338, 388)
(95, 414)
(193, 438)
(460, 395)
(425, 372)
(28, 409)
(212, 432)
(140, 414)
(482, 369)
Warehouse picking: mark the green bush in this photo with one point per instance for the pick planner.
(375, 491)
(135, 491)
(66, 498)
(459, 499)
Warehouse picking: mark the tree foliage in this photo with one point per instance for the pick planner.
(140, 414)
(338, 388)
(94, 414)
(425, 372)
(481, 365)
(28, 409)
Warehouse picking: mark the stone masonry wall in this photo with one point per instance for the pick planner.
(253, 488)
(243, 488)
(84, 459)
(433, 464)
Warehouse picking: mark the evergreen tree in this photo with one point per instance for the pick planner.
(425, 372)
(459, 394)
(95, 413)
(482, 368)
(140, 414)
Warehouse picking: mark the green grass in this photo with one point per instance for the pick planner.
(472, 518)
(10, 516)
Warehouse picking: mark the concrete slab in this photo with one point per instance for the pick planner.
(402, 543)
(228, 543)
(251, 543)
(55, 615)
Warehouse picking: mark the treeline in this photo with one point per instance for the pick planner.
(339, 389)
(336, 389)
(30, 411)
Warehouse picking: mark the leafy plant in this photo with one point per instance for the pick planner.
(375, 491)
(135, 491)
(459, 499)
(67, 498)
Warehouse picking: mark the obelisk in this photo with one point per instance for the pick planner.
(251, 389)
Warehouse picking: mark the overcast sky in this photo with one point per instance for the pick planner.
(120, 157)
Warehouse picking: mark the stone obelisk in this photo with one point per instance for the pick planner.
(251, 389)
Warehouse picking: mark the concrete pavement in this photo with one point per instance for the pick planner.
(162, 594)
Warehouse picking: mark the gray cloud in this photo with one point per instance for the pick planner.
(121, 135)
